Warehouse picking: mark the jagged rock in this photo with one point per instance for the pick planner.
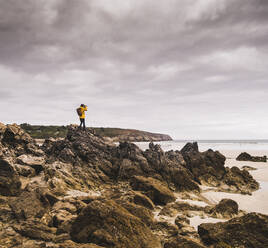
(182, 242)
(64, 213)
(31, 204)
(154, 189)
(249, 231)
(139, 211)
(15, 138)
(36, 230)
(240, 179)
(247, 157)
(9, 179)
(14, 135)
(82, 164)
(226, 208)
(206, 166)
(37, 163)
(190, 148)
(63, 221)
(109, 225)
(129, 168)
(143, 200)
(24, 170)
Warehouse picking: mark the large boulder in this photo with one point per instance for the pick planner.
(206, 167)
(31, 204)
(37, 163)
(17, 142)
(226, 208)
(249, 231)
(190, 148)
(16, 138)
(143, 200)
(154, 189)
(90, 155)
(170, 167)
(107, 224)
(241, 180)
(9, 179)
(244, 156)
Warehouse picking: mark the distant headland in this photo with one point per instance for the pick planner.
(113, 134)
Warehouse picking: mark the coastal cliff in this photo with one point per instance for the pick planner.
(82, 191)
(111, 134)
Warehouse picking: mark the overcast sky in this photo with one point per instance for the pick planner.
(194, 69)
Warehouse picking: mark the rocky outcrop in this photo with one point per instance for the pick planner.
(143, 200)
(208, 168)
(154, 189)
(31, 204)
(240, 180)
(247, 157)
(107, 224)
(226, 208)
(9, 179)
(249, 231)
(83, 191)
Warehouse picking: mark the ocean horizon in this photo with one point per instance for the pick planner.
(246, 145)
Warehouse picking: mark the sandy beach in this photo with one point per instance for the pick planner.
(257, 202)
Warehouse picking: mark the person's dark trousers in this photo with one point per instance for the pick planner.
(82, 122)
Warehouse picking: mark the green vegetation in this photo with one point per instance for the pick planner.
(44, 132)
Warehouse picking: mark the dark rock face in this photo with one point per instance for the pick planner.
(36, 230)
(190, 148)
(247, 157)
(154, 189)
(207, 166)
(109, 225)
(249, 231)
(240, 179)
(143, 200)
(227, 208)
(18, 142)
(103, 162)
(9, 179)
(29, 205)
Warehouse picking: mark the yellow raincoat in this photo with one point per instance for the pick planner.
(83, 109)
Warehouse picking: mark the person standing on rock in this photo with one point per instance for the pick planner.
(81, 112)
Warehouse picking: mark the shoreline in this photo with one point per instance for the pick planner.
(256, 202)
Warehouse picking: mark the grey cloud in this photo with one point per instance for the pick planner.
(137, 63)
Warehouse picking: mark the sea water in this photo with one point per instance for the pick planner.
(220, 145)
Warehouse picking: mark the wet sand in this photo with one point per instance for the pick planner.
(257, 202)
